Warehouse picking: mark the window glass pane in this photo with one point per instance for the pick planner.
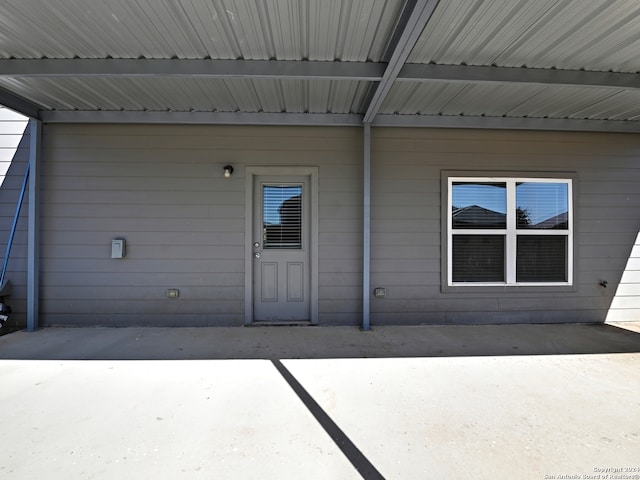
(478, 258)
(542, 205)
(479, 205)
(282, 216)
(541, 258)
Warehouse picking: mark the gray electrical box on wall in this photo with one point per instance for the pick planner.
(117, 248)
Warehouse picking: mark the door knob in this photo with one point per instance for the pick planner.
(257, 254)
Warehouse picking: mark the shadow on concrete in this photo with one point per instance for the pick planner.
(271, 343)
(350, 450)
(281, 344)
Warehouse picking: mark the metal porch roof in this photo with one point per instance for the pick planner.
(537, 64)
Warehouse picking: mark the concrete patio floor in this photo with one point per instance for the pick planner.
(513, 401)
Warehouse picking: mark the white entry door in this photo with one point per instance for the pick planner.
(281, 249)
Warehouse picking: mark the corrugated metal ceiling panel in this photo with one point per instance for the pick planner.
(192, 94)
(593, 35)
(497, 100)
(347, 30)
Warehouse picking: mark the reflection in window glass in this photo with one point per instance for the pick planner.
(542, 205)
(282, 216)
(479, 205)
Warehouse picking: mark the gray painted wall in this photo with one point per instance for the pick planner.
(162, 189)
(406, 217)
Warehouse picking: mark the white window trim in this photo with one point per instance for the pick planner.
(511, 232)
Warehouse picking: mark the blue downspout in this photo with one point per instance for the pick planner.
(13, 227)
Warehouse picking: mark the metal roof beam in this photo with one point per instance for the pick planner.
(411, 29)
(343, 120)
(304, 70)
(507, 123)
(477, 74)
(205, 118)
(18, 104)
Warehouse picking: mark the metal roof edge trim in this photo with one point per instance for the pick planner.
(341, 120)
(202, 118)
(506, 123)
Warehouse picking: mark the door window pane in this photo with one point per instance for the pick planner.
(541, 258)
(478, 258)
(542, 205)
(479, 205)
(282, 216)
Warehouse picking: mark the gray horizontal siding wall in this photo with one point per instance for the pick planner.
(406, 222)
(162, 189)
(14, 157)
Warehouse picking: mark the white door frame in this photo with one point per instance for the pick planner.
(251, 172)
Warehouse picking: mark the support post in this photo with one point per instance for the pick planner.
(366, 239)
(33, 237)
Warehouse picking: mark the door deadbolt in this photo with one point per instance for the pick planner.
(256, 245)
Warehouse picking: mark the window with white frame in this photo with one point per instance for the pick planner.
(509, 231)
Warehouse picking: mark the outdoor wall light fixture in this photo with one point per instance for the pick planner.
(228, 170)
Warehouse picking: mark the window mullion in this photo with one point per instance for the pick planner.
(511, 240)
